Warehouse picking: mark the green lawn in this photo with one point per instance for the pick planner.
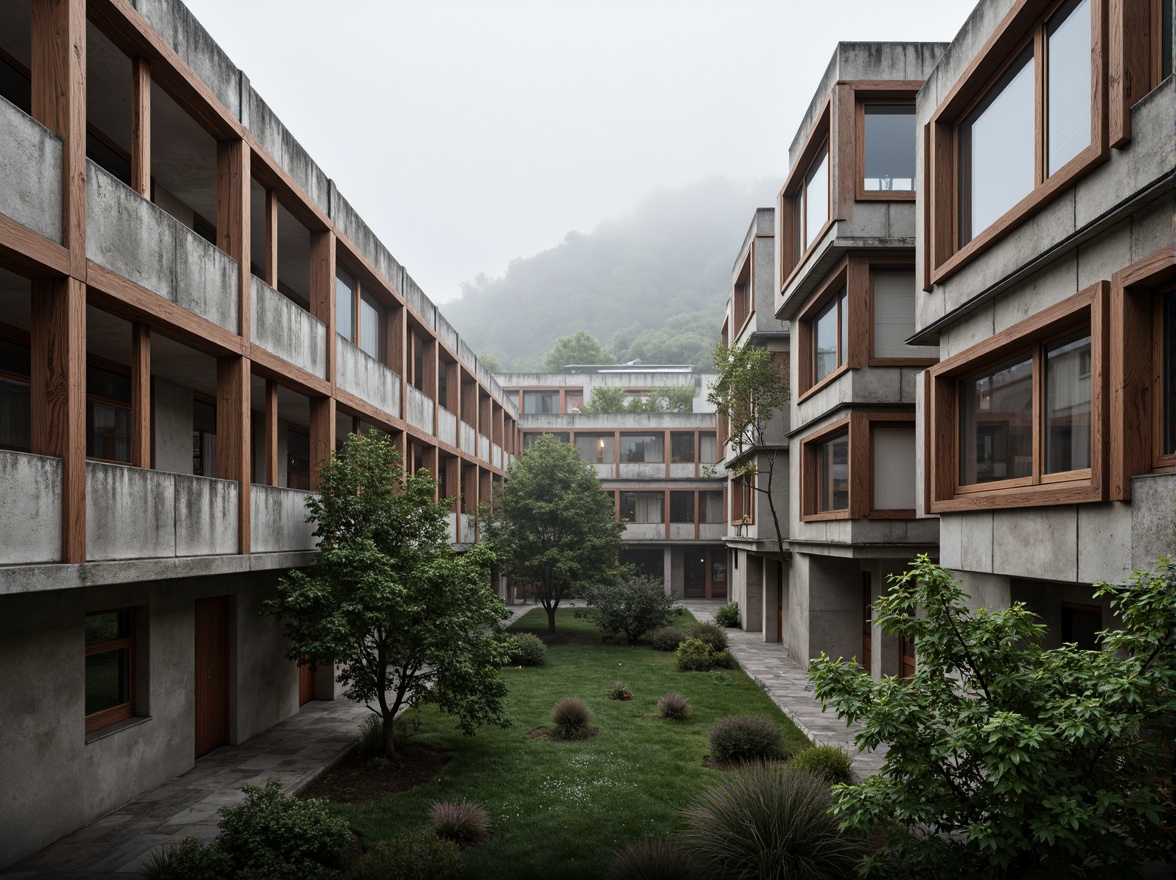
(563, 809)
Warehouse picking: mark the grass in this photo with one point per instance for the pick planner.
(564, 809)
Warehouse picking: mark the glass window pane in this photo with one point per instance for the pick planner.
(890, 148)
(681, 507)
(636, 448)
(711, 504)
(107, 680)
(345, 306)
(996, 423)
(369, 328)
(1068, 69)
(707, 445)
(541, 402)
(682, 447)
(108, 385)
(107, 625)
(15, 415)
(816, 197)
(1067, 404)
(595, 448)
(108, 432)
(997, 148)
(833, 474)
(825, 342)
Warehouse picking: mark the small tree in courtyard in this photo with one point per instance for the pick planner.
(552, 526)
(406, 618)
(1007, 760)
(632, 605)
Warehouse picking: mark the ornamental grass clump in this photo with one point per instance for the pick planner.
(770, 822)
(695, 655)
(620, 691)
(527, 649)
(738, 739)
(712, 634)
(464, 822)
(829, 762)
(654, 859)
(667, 638)
(571, 718)
(728, 615)
(674, 706)
(420, 855)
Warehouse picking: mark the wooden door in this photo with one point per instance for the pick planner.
(867, 625)
(212, 674)
(305, 685)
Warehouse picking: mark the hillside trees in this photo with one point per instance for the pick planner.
(578, 348)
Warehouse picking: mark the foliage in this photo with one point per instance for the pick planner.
(526, 649)
(551, 525)
(633, 606)
(674, 706)
(683, 338)
(1023, 761)
(371, 734)
(619, 691)
(667, 638)
(615, 399)
(464, 822)
(655, 858)
(741, 738)
(190, 859)
(750, 389)
(695, 655)
(770, 822)
(579, 348)
(490, 362)
(728, 615)
(713, 634)
(270, 835)
(406, 618)
(421, 855)
(830, 762)
(571, 717)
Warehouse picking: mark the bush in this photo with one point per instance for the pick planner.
(571, 718)
(421, 855)
(695, 655)
(654, 859)
(668, 638)
(633, 606)
(674, 706)
(830, 762)
(527, 649)
(190, 859)
(620, 691)
(463, 822)
(728, 615)
(270, 835)
(711, 633)
(371, 735)
(740, 738)
(770, 822)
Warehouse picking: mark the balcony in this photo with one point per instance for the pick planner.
(367, 378)
(420, 410)
(281, 327)
(30, 166)
(278, 520)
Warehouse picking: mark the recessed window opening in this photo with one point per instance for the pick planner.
(889, 148)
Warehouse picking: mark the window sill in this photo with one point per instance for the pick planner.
(119, 727)
(1042, 495)
(828, 380)
(826, 516)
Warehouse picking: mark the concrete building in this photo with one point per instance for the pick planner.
(1046, 271)
(846, 286)
(191, 317)
(662, 469)
(757, 460)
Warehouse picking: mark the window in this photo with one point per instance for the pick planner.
(682, 447)
(15, 398)
(804, 203)
(529, 440)
(648, 448)
(1081, 624)
(297, 459)
(828, 458)
(830, 328)
(443, 368)
(682, 507)
(574, 400)
(541, 402)
(371, 320)
(203, 438)
(832, 474)
(892, 461)
(707, 446)
(643, 507)
(108, 415)
(345, 305)
(888, 148)
(812, 204)
(418, 361)
(710, 507)
(892, 303)
(1168, 347)
(596, 448)
(110, 657)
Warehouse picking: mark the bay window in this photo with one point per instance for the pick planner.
(888, 160)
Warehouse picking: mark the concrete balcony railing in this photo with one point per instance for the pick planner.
(30, 518)
(419, 410)
(281, 327)
(496, 455)
(644, 471)
(483, 447)
(711, 531)
(469, 439)
(30, 166)
(367, 378)
(681, 531)
(646, 532)
(278, 520)
(469, 528)
(446, 426)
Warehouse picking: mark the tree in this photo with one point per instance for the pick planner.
(615, 399)
(406, 619)
(579, 348)
(552, 526)
(632, 605)
(1006, 760)
(490, 362)
(750, 388)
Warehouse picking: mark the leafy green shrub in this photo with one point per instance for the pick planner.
(464, 822)
(421, 855)
(712, 634)
(674, 706)
(527, 649)
(740, 738)
(829, 762)
(654, 859)
(770, 822)
(571, 718)
(371, 735)
(631, 606)
(695, 655)
(620, 691)
(667, 638)
(728, 615)
(190, 859)
(270, 835)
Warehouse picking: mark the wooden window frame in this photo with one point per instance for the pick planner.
(882, 94)
(1135, 66)
(744, 289)
(810, 452)
(889, 264)
(112, 715)
(852, 274)
(661, 493)
(1023, 27)
(791, 197)
(1087, 308)
(871, 420)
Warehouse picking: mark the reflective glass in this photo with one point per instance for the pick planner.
(834, 476)
(1067, 404)
(1068, 69)
(890, 148)
(996, 423)
(816, 197)
(825, 342)
(345, 306)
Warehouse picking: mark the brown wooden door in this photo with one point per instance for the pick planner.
(305, 685)
(212, 674)
(867, 626)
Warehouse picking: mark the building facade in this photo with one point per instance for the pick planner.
(191, 317)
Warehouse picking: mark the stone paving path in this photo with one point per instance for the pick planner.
(787, 684)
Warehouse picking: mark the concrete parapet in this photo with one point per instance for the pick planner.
(366, 377)
(30, 166)
(281, 327)
(278, 520)
(30, 518)
(419, 410)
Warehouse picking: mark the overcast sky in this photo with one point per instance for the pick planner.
(470, 132)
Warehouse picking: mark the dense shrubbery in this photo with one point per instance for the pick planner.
(463, 822)
(674, 706)
(741, 738)
(633, 606)
(667, 638)
(829, 762)
(527, 649)
(571, 718)
(421, 855)
(695, 655)
(620, 691)
(371, 734)
(190, 859)
(770, 822)
(728, 615)
(711, 633)
(654, 859)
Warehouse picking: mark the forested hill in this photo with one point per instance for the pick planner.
(651, 284)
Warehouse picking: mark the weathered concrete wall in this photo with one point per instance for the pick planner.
(30, 518)
(446, 426)
(279, 326)
(469, 439)
(30, 166)
(419, 409)
(206, 516)
(171, 427)
(278, 520)
(366, 377)
(751, 609)
(644, 532)
(873, 385)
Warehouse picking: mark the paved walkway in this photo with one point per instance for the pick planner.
(787, 684)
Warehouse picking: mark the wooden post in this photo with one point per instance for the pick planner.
(140, 395)
(271, 432)
(322, 301)
(271, 238)
(232, 435)
(141, 126)
(322, 435)
(232, 219)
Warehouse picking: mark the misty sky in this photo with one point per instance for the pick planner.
(470, 132)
